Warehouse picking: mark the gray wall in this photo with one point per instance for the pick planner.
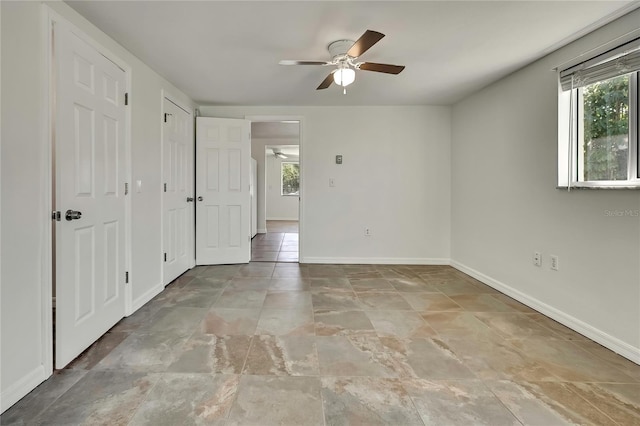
(505, 206)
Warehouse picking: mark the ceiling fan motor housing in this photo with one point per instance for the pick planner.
(338, 49)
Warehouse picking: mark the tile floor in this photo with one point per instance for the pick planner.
(279, 244)
(288, 344)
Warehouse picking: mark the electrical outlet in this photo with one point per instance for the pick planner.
(554, 262)
(367, 232)
(537, 258)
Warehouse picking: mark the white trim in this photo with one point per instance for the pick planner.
(587, 330)
(147, 296)
(377, 260)
(47, 250)
(19, 389)
(261, 231)
(288, 219)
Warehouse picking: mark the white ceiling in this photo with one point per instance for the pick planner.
(227, 52)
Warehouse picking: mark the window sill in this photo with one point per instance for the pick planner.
(583, 186)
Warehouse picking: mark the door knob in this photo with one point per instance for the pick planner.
(72, 215)
(200, 198)
(189, 199)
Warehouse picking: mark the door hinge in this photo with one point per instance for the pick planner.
(165, 116)
(126, 277)
(165, 257)
(165, 187)
(55, 215)
(126, 99)
(126, 188)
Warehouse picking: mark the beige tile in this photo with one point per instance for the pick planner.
(282, 356)
(288, 300)
(367, 401)
(480, 303)
(547, 403)
(459, 402)
(211, 354)
(297, 399)
(619, 401)
(343, 322)
(356, 356)
(628, 367)
(286, 322)
(429, 358)
(188, 399)
(399, 324)
(512, 325)
(375, 300)
(258, 343)
(568, 362)
(289, 284)
(222, 322)
(379, 284)
(241, 299)
(430, 302)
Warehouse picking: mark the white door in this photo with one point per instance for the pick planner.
(177, 170)
(254, 197)
(90, 166)
(223, 203)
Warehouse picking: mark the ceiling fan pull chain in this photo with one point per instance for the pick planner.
(344, 90)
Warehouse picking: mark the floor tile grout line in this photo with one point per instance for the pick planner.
(521, 421)
(146, 397)
(594, 406)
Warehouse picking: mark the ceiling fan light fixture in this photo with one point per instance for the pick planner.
(344, 76)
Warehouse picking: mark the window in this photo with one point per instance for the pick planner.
(599, 146)
(290, 178)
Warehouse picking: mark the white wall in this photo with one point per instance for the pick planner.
(25, 183)
(279, 207)
(505, 206)
(395, 179)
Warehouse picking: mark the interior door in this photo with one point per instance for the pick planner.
(177, 200)
(90, 165)
(253, 189)
(223, 203)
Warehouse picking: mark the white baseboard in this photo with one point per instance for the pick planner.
(618, 346)
(19, 389)
(262, 231)
(376, 260)
(146, 296)
(289, 219)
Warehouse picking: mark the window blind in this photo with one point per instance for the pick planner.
(616, 62)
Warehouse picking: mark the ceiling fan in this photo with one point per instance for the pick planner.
(343, 56)
(277, 152)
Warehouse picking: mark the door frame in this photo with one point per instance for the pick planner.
(301, 161)
(49, 19)
(165, 94)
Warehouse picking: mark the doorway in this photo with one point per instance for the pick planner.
(276, 148)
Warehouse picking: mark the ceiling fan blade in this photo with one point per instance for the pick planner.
(385, 68)
(292, 62)
(364, 43)
(326, 82)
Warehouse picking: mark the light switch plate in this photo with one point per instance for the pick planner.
(338, 159)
